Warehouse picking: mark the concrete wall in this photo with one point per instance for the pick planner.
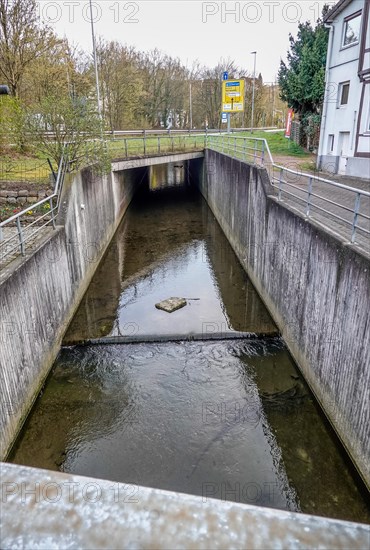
(315, 286)
(41, 294)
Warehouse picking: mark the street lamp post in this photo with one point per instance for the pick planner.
(95, 60)
(191, 107)
(4, 90)
(253, 89)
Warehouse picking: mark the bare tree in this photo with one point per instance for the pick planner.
(71, 120)
(122, 85)
(22, 39)
(63, 70)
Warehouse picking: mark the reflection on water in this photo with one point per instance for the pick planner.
(232, 421)
(169, 245)
(228, 420)
(162, 176)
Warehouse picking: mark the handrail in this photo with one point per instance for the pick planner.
(23, 235)
(23, 212)
(228, 145)
(323, 180)
(255, 148)
(176, 131)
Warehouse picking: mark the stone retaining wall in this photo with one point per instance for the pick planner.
(23, 196)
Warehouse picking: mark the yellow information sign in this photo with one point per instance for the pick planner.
(232, 96)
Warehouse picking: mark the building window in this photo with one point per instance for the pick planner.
(343, 94)
(330, 143)
(351, 31)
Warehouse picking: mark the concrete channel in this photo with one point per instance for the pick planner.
(251, 269)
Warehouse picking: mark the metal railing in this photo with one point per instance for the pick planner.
(243, 148)
(174, 131)
(15, 235)
(309, 191)
(155, 145)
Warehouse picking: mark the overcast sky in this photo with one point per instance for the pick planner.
(189, 29)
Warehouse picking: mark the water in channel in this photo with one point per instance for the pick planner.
(232, 420)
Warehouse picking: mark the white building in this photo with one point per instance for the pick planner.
(345, 127)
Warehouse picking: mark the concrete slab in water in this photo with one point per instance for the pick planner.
(171, 304)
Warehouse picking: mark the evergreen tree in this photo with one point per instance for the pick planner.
(302, 78)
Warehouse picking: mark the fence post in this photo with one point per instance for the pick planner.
(263, 153)
(280, 182)
(308, 208)
(159, 144)
(125, 140)
(52, 213)
(20, 235)
(355, 217)
(144, 140)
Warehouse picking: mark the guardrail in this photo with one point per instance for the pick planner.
(15, 235)
(243, 148)
(155, 145)
(308, 190)
(176, 131)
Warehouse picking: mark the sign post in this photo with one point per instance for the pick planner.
(232, 98)
(226, 116)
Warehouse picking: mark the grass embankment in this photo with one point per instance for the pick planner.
(279, 144)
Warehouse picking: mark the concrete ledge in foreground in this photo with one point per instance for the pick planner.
(45, 510)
